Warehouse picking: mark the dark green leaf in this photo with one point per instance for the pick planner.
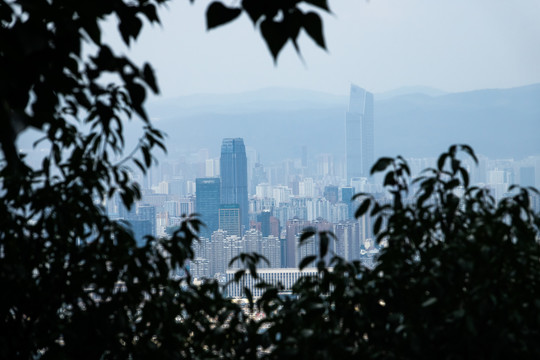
(323, 4)
(381, 165)
(254, 9)
(306, 261)
(275, 35)
(455, 166)
(238, 275)
(218, 14)
(140, 165)
(323, 243)
(440, 162)
(149, 77)
(470, 151)
(249, 296)
(234, 258)
(252, 269)
(92, 29)
(452, 184)
(313, 25)
(390, 179)
(321, 265)
(147, 157)
(363, 208)
(150, 12)
(306, 234)
(356, 196)
(465, 176)
(261, 258)
(130, 27)
(377, 225)
(406, 168)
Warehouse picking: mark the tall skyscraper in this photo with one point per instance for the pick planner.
(207, 204)
(359, 130)
(234, 181)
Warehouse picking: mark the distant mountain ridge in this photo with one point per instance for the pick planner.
(278, 122)
(410, 90)
(497, 122)
(257, 100)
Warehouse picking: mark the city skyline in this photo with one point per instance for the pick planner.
(297, 123)
(296, 195)
(173, 190)
(311, 189)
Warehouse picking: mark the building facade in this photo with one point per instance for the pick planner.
(234, 179)
(229, 219)
(207, 204)
(286, 277)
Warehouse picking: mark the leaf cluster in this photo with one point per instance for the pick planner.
(278, 21)
(74, 283)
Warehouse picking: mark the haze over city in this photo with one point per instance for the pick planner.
(441, 73)
(408, 78)
(321, 153)
(308, 179)
(226, 80)
(382, 45)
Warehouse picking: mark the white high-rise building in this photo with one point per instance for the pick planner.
(271, 249)
(263, 191)
(212, 167)
(281, 194)
(306, 187)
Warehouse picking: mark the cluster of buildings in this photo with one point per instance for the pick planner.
(249, 207)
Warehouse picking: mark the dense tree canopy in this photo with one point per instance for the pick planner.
(61, 258)
(458, 278)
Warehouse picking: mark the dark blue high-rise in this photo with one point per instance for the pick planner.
(207, 204)
(234, 183)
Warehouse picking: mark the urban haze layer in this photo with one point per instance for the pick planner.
(248, 205)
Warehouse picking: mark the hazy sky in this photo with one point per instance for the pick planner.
(452, 45)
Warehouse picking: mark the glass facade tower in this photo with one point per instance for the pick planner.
(359, 136)
(234, 181)
(207, 204)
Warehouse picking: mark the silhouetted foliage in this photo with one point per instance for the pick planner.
(459, 277)
(278, 21)
(73, 282)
